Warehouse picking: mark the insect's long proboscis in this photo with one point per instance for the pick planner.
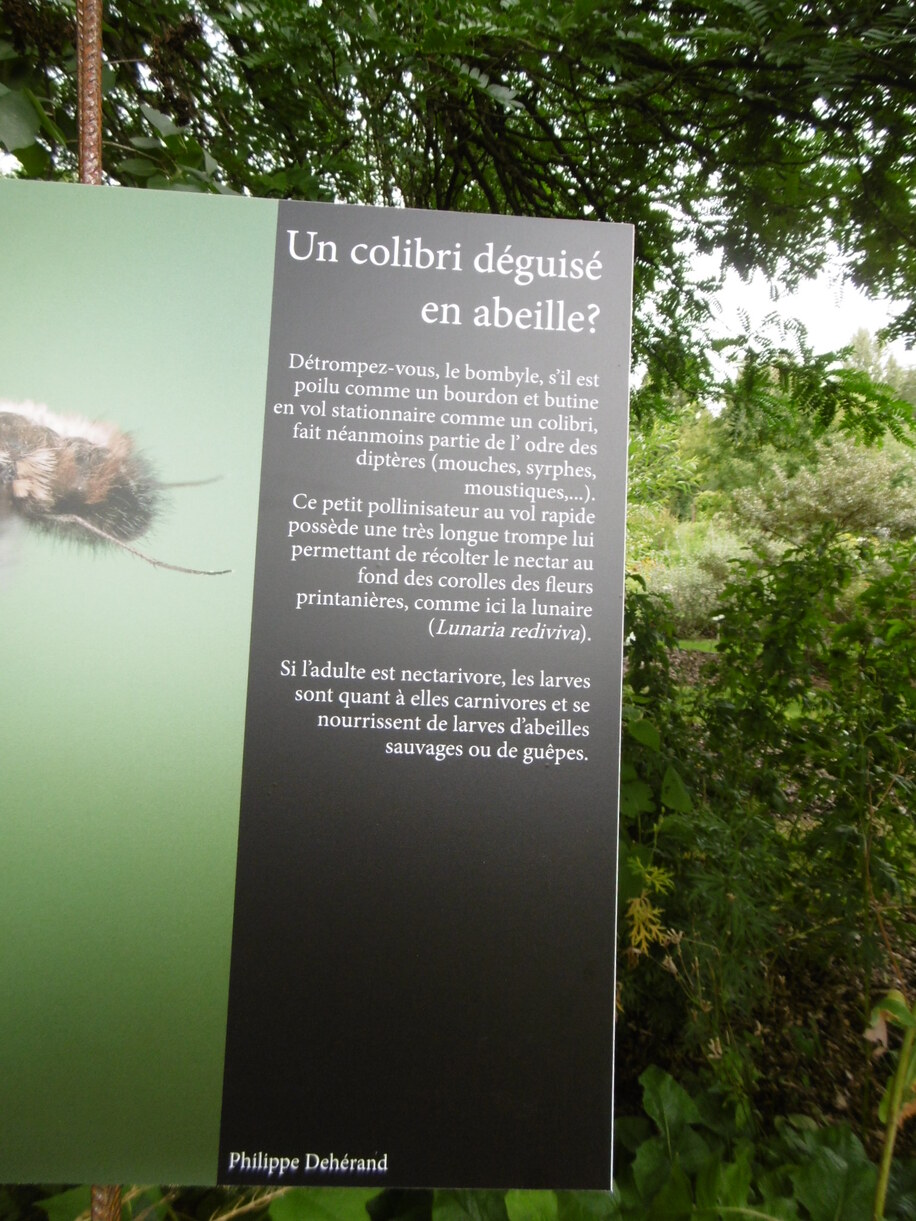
(73, 520)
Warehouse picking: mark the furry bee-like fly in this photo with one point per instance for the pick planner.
(78, 479)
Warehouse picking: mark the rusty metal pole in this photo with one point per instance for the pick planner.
(89, 89)
(106, 1203)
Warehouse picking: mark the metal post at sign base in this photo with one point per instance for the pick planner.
(106, 1200)
(106, 1203)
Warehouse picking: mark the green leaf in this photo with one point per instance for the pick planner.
(893, 1006)
(651, 1167)
(469, 1206)
(34, 160)
(837, 1184)
(901, 1195)
(666, 1102)
(725, 1183)
(674, 1202)
(674, 792)
(323, 1204)
(67, 1205)
(635, 798)
(585, 1206)
(48, 125)
(20, 122)
(677, 827)
(780, 1208)
(906, 1072)
(630, 1131)
(531, 1205)
(162, 123)
(140, 167)
(645, 732)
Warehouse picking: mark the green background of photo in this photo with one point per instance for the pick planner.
(123, 688)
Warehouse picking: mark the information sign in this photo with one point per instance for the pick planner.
(308, 867)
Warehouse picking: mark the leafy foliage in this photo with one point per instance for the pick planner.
(775, 387)
(763, 131)
(772, 466)
(834, 705)
(790, 855)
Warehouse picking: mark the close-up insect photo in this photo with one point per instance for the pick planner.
(80, 479)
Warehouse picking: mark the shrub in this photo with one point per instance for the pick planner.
(861, 491)
(694, 577)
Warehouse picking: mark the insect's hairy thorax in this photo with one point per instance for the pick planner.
(53, 477)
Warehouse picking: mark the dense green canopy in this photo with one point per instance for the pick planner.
(761, 130)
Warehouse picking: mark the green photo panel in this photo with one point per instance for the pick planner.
(122, 702)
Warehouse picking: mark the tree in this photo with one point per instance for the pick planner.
(870, 356)
(760, 129)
